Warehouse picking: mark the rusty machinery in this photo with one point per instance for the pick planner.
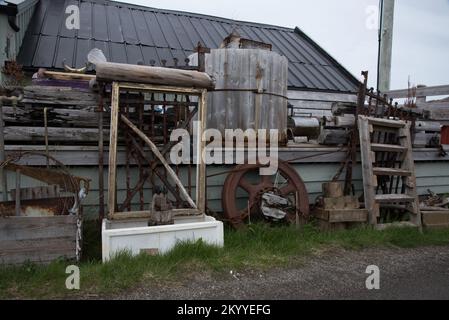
(282, 197)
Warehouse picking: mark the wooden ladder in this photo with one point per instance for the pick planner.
(374, 169)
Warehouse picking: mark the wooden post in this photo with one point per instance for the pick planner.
(386, 45)
(369, 180)
(112, 189)
(201, 168)
(101, 157)
(18, 209)
(47, 153)
(3, 176)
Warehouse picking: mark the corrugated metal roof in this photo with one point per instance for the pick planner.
(131, 34)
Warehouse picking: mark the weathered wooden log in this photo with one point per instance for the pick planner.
(108, 72)
(333, 137)
(61, 135)
(58, 96)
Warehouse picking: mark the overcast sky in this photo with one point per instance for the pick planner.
(421, 32)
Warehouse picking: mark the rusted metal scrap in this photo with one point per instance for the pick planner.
(38, 207)
(66, 181)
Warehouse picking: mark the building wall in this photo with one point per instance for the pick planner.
(11, 41)
(430, 175)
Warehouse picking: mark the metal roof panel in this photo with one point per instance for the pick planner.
(130, 34)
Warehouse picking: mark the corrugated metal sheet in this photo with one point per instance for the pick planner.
(131, 34)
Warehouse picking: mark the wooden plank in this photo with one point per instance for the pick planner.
(29, 228)
(37, 251)
(403, 224)
(340, 216)
(420, 92)
(391, 172)
(202, 167)
(433, 219)
(62, 135)
(68, 76)
(321, 96)
(112, 182)
(161, 158)
(410, 181)
(148, 214)
(387, 148)
(59, 96)
(367, 170)
(386, 123)
(391, 198)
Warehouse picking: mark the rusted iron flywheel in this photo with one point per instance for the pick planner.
(239, 181)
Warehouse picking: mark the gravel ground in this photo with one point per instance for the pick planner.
(405, 274)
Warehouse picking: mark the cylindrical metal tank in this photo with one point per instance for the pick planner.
(304, 127)
(251, 90)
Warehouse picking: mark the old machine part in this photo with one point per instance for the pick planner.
(62, 195)
(269, 196)
(303, 127)
(273, 206)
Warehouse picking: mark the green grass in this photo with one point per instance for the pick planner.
(260, 247)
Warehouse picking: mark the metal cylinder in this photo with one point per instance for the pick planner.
(250, 91)
(304, 127)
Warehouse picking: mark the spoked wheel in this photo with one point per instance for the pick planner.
(246, 183)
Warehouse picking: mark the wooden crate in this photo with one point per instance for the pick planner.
(435, 219)
(38, 240)
(335, 220)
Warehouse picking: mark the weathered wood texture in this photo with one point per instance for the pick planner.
(340, 216)
(436, 219)
(38, 240)
(109, 72)
(420, 92)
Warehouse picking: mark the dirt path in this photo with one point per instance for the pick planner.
(405, 274)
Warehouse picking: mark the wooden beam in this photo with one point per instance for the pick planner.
(420, 92)
(147, 214)
(157, 153)
(68, 76)
(108, 72)
(201, 169)
(112, 189)
(321, 96)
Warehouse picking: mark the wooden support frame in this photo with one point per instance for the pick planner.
(198, 207)
(406, 171)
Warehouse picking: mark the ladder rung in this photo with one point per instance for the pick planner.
(387, 123)
(387, 148)
(392, 198)
(391, 172)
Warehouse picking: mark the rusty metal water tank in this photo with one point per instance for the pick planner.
(250, 92)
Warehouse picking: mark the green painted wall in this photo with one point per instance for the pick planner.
(430, 175)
